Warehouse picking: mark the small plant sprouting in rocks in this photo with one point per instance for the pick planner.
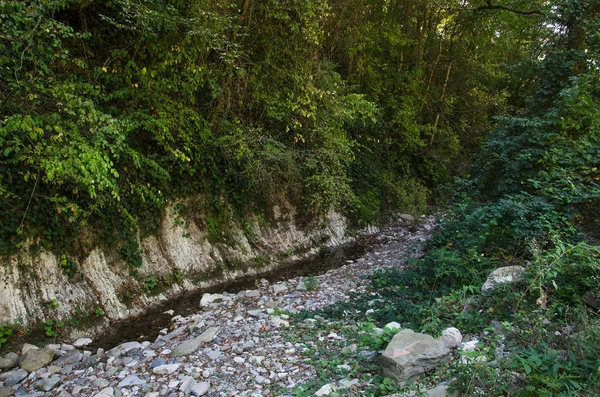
(6, 332)
(150, 283)
(52, 328)
(311, 283)
(51, 304)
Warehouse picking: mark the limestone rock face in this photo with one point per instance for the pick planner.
(175, 247)
(410, 354)
(503, 275)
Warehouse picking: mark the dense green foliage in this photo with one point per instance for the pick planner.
(110, 109)
(531, 199)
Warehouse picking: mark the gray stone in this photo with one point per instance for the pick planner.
(451, 337)
(347, 383)
(187, 383)
(6, 391)
(440, 391)
(15, 376)
(110, 372)
(101, 383)
(64, 394)
(208, 335)
(131, 380)
(253, 293)
(278, 322)
(186, 348)
(47, 384)
(280, 287)
(71, 358)
(256, 313)
(35, 359)
(407, 217)
(200, 389)
(54, 346)
(157, 362)
(88, 362)
(503, 275)
(123, 348)
(9, 361)
(410, 354)
(213, 354)
(108, 392)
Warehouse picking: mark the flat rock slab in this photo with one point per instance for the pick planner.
(47, 384)
(186, 348)
(14, 377)
(410, 354)
(131, 380)
(208, 335)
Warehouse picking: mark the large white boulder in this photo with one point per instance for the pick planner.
(410, 354)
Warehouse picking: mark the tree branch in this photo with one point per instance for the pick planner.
(490, 6)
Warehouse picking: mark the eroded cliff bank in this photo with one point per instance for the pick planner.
(179, 259)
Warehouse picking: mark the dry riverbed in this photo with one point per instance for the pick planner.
(251, 343)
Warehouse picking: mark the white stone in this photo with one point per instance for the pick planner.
(393, 325)
(451, 337)
(207, 299)
(200, 389)
(82, 342)
(503, 275)
(27, 346)
(131, 380)
(325, 390)
(166, 369)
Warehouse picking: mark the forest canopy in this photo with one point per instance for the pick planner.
(110, 109)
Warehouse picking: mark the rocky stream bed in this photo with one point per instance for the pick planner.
(235, 344)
